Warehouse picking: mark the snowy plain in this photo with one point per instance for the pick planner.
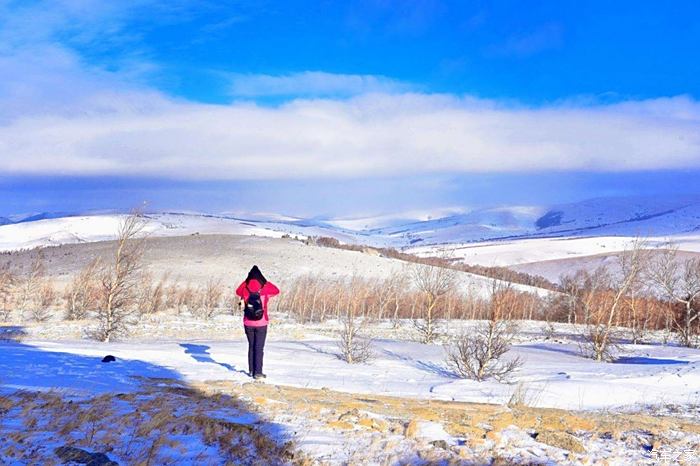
(646, 379)
(554, 372)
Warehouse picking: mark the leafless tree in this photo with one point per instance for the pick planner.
(232, 305)
(81, 295)
(170, 294)
(478, 354)
(354, 347)
(210, 297)
(605, 299)
(186, 300)
(433, 283)
(7, 282)
(152, 294)
(680, 283)
(29, 285)
(46, 299)
(119, 280)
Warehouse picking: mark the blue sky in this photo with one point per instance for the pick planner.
(344, 108)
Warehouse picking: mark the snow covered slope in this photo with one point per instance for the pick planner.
(477, 225)
(628, 216)
(612, 218)
(81, 229)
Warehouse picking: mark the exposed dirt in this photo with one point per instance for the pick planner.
(483, 426)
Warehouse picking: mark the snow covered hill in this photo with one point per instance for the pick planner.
(621, 216)
(90, 228)
(503, 235)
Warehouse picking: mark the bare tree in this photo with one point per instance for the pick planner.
(186, 300)
(170, 294)
(46, 299)
(119, 280)
(7, 282)
(211, 298)
(81, 295)
(680, 283)
(354, 347)
(478, 354)
(604, 301)
(433, 283)
(232, 304)
(152, 294)
(29, 286)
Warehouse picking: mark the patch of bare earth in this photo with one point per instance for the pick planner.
(392, 430)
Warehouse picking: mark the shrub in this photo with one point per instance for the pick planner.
(477, 355)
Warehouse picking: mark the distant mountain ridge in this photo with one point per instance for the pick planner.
(610, 216)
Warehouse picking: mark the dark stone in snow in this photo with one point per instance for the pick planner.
(109, 358)
(78, 456)
(440, 444)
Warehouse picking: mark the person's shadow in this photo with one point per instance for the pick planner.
(200, 353)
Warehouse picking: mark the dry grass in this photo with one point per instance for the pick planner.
(478, 423)
(155, 425)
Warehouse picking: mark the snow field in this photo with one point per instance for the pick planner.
(338, 413)
(554, 373)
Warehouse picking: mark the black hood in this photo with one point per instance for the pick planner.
(256, 274)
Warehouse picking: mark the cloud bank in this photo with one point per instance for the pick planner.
(131, 133)
(62, 116)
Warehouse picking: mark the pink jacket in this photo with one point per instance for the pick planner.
(268, 290)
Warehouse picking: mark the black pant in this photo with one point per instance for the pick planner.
(256, 343)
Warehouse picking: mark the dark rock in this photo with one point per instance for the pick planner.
(78, 456)
(109, 358)
(440, 444)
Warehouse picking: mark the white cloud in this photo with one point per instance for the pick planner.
(58, 115)
(373, 134)
(312, 83)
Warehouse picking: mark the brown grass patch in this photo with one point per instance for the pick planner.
(471, 420)
(143, 427)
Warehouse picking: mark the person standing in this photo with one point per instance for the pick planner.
(255, 291)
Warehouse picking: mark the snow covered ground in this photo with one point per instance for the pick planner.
(554, 373)
(523, 251)
(651, 378)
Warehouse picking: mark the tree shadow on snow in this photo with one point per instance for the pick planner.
(645, 360)
(59, 385)
(436, 369)
(321, 350)
(200, 353)
(552, 348)
(397, 356)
